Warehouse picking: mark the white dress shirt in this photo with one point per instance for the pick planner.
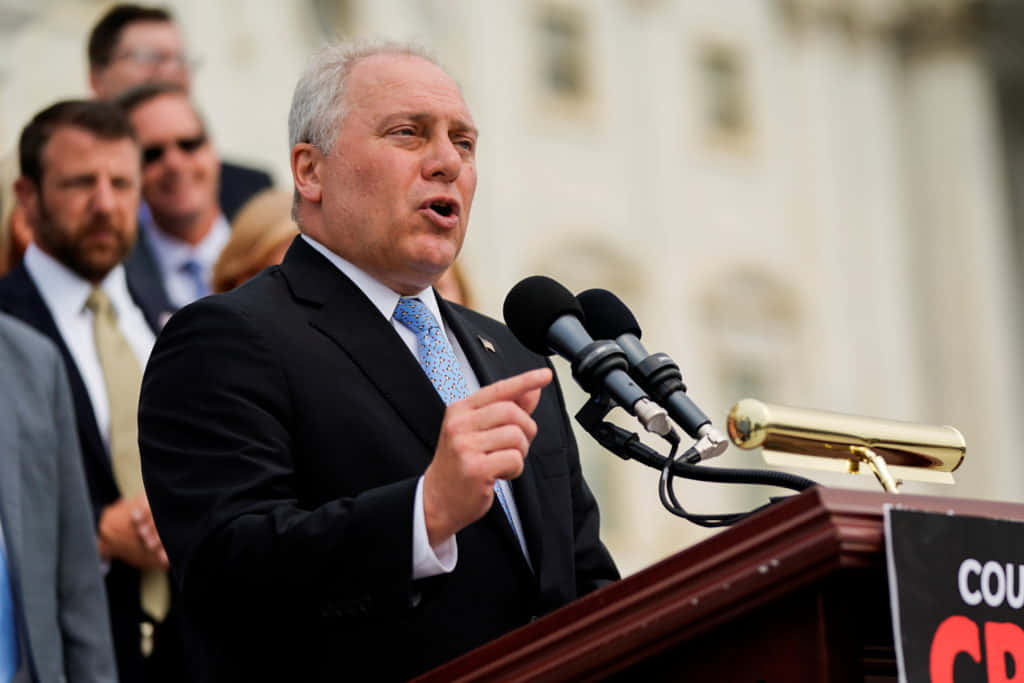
(65, 293)
(427, 561)
(172, 253)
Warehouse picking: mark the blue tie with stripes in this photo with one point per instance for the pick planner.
(439, 362)
(8, 629)
(194, 271)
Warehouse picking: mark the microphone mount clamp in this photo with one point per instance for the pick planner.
(597, 359)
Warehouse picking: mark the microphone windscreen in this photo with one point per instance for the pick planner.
(533, 305)
(607, 317)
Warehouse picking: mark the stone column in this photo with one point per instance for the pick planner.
(968, 301)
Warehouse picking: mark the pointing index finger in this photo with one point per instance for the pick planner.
(511, 388)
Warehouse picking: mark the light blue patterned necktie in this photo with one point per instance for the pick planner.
(8, 629)
(194, 271)
(439, 362)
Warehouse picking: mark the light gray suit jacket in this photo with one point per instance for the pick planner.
(60, 604)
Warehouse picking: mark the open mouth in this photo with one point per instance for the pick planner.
(443, 208)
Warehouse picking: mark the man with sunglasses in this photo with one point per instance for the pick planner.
(185, 230)
(79, 186)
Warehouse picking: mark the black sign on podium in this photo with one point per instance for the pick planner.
(957, 591)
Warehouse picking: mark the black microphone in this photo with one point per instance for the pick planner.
(547, 319)
(608, 318)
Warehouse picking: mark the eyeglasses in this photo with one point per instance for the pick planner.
(153, 153)
(152, 59)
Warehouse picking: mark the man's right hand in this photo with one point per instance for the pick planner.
(484, 437)
(127, 532)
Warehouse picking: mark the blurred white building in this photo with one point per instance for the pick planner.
(805, 201)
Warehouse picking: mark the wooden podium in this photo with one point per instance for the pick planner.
(797, 592)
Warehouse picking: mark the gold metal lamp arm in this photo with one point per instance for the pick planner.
(878, 466)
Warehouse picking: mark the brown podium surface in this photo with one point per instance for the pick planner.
(796, 592)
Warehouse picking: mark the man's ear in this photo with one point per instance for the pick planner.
(28, 198)
(307, 167)
(94, 81)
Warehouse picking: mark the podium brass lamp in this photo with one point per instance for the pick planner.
(891, 450)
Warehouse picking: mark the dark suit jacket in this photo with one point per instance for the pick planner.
(20, 298)
(146, 278)
(237, 185)
(283, 428)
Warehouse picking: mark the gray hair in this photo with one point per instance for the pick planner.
(318, 105)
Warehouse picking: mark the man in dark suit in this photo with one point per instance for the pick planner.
(79, 186)
(53, 620)
(326, 513)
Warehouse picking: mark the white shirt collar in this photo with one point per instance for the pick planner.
(383, 297)
(172, 252)
(65, 292)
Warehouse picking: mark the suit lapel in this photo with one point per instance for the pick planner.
(341, 311)
(145, 282)
(484, 355)
(488, 360)
(154, 315)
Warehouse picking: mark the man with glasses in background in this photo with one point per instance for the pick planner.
(133, 45)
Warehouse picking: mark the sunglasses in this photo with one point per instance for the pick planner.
(154, 153)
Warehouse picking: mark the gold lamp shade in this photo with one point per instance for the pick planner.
(801, 437)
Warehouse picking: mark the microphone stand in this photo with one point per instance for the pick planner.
(627, 445)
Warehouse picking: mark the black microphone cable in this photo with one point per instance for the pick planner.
(667, 494)
(627, 445)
